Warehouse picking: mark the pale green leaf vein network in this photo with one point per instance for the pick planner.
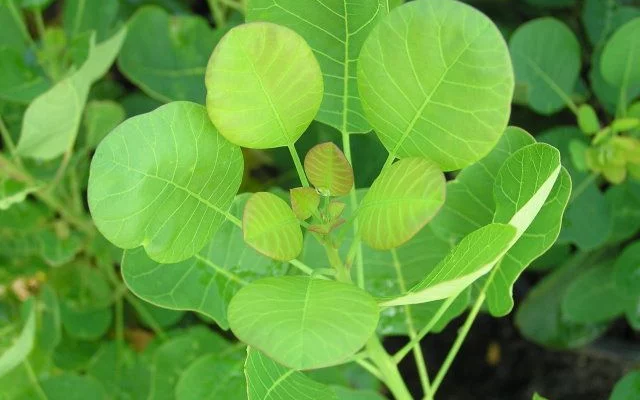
(335, 36)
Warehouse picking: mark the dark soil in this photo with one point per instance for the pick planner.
(497, 363)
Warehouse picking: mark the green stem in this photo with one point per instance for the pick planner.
(34, 380)
(401, 354)
(217, 13)
(60, 171)
(8, 142)
(417, 349)
(353, 199)
(37, 13)
(305, 268)
(76, 193)
(462, 334)
(238, 6)
(388, 370)
(370, 368)
(298, 164)
(342, 273)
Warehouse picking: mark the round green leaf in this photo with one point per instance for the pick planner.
(264, 86)
(166, 56)
(546, 61)
(164, 180)
(69, 386)
(588, 119)
(621, 57)
(400, 202)
(303, 323)
(435, 81)
(270, 226)
(328, 169)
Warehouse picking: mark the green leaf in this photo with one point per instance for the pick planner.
(100, 118)
(546, 61)
(206, 282)
(350, 394)
(56, 249)
(620, 58)
(13, 192)
(328, 170)
(213, 376)
(593, 297)
(533, 243)
(174, 356)
(22, 78)
(263, 99)
(166, 56)
(69, 386)
(293, 320)
(267, 379)
(335, 32)
(81, 16)
(123, 373)
(18, 348)
(49, 327)
(536, 396)
(627, 270)
(52, 120)
(470, 204)
(304, 201)
(400, 202)
(627, 388)
(588, 219)
(600, 18)
(435, 81)
(587, 119)
(270, 226)
(472, 258)
(540, 319)
(152, 183)
(14, 33)
(625, 209)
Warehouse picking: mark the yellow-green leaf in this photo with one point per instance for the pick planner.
(328, 169)
(264, 86)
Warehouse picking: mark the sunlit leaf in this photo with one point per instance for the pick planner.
(400, 202)
(294, 320)
(335, 32)
(435, 81)
(166, 56)
(263, 99)
(152, 183)
(328, 169)
(546, 61)
(472, 258)
(304, 201)
(270, 226)
(206, 282)
(52, 120)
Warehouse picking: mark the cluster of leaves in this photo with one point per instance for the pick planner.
(587, 63)
(309, 280)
